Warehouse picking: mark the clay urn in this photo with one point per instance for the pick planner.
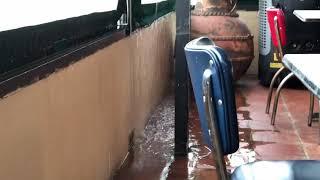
(218, 20)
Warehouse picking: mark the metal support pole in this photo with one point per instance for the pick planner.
(156, 11)
(181, 77)
(129, 15)
(276, 27)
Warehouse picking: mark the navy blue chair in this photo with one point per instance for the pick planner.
(260, 170)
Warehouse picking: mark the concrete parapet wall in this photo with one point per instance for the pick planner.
(76, 123)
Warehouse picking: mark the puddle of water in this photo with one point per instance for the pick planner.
(245, 153)
(200, 163)
(241, 103)
(152, 156)
(153, 149)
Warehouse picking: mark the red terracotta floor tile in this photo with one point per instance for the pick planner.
(279, 151)
(283, 137)
(313, 151)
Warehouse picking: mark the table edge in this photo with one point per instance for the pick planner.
(293, 69)
(298, 16)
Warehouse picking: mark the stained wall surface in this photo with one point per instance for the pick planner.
(75, 124)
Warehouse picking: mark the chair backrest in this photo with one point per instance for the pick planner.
(211, 76)
(199, 54)
(276, 20)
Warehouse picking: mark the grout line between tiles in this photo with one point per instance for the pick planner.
(295, 128)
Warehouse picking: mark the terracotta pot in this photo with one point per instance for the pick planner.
(217, 20)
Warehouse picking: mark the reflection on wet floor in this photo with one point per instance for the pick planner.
(291, 138)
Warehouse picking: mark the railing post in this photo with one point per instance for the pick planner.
(181, 77)
(129, 15)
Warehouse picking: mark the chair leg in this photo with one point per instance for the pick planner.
(271, 88)
(319, 122)
(311, 106)
(276, 99)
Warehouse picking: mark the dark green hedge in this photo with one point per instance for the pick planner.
(25, 46)
(248, 4)
(145, 14)
(21, 46)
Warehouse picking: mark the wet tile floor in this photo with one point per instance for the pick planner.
(290, 138)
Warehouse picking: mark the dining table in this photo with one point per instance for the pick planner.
(306, 66)
(308, 15)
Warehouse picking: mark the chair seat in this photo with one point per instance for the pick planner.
(278, 170)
